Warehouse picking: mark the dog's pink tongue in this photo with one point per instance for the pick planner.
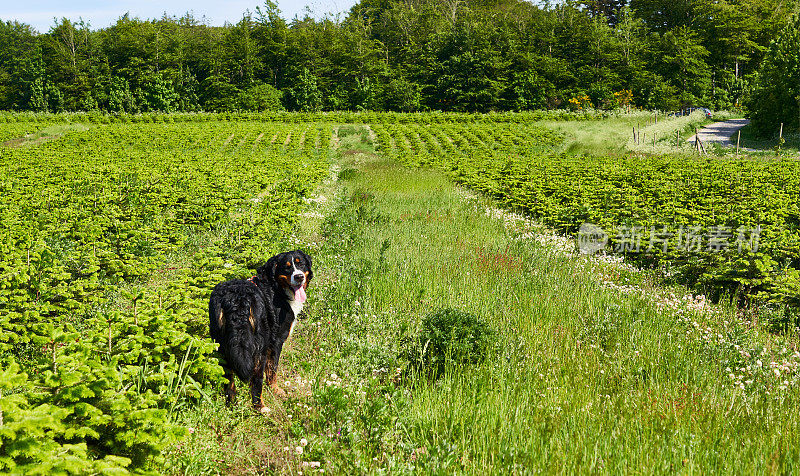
(300, 294)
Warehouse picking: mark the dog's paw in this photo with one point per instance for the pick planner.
(277, 391)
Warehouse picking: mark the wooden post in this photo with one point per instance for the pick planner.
(696, 140)
(634, 135)
(780, 138)
(738, 138)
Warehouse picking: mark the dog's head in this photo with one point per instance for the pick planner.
(291, 271)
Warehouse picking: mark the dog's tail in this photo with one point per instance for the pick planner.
(234, 327)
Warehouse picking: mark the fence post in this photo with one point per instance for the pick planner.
(738, 138)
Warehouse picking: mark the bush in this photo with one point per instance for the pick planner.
(402, 95)
(450, 337)
(261, 97)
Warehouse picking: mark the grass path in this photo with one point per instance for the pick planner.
(593, 370)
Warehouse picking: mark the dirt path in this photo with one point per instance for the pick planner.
(721, 132)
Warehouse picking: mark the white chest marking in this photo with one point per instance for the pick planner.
(297, 307)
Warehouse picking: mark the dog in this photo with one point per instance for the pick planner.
(252, 318)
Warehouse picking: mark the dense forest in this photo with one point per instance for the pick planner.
(402, 55)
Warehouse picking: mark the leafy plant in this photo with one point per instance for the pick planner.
(449, 337)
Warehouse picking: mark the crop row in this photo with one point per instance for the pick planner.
(730, 227)
(420, 145)
(111, 238)
(307, 117)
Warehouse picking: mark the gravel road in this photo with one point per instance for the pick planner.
(721, 132)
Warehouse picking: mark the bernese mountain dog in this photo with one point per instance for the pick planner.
(252, 318)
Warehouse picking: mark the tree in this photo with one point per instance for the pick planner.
(776, 95)
(305, 95)
(219, 95)
(683, 61)
(607, 10)
(243, 56)
(119, 96)
(402, 95)
(468, 72)
(661, 16)
(260, 97)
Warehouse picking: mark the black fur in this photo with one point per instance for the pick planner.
(251, 319)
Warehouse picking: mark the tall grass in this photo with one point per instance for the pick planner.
(614, 135)
(594, 369)
(587, 377)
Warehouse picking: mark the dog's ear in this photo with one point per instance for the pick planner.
(308, 265)
(266, 273)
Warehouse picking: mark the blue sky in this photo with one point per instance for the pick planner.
(40, 13)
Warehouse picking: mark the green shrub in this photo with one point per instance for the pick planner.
(261, 97)
(449, 337)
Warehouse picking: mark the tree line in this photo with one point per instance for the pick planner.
(402, 55)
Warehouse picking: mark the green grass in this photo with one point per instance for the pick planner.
(614, 135)
(49, 133)
(595, 369)
(790, 147)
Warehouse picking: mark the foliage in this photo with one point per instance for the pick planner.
(402, 95)
(590, 356)
(260, 97)
(580, 102)
(643, 194)
(156, 93)
(107, 264)
(450, 337)
(305, 96)
(776, 95)
(468, 56)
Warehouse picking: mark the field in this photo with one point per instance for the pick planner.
(451, 328)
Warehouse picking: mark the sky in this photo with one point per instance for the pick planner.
(100, 14)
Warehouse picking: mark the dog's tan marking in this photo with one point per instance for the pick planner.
(277, 391)
(221, 320)
(272, 376)
(252, 319)
(305, 281)
(288, 263)
(270, 371)
(283, 280)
